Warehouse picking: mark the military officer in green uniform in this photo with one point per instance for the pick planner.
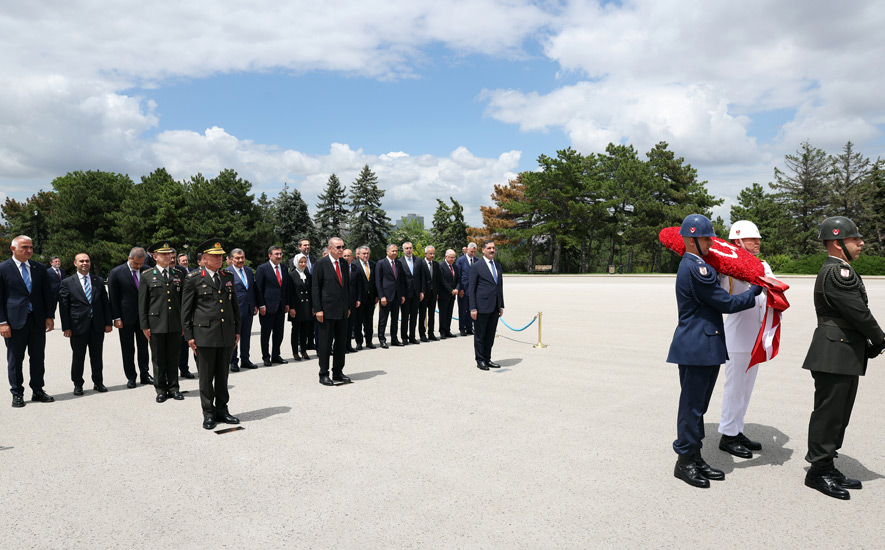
(159, 312)
(210, 314)
(847, 335)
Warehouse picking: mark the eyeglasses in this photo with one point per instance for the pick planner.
(338, 247)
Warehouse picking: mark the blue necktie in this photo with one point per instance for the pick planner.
(243, 278)
(27, 277)
(494, 274)
(88, 288)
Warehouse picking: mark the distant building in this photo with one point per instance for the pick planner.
(409, 218)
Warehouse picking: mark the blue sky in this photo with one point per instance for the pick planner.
(438, 98)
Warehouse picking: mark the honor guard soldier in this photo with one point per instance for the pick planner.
(698, 345)
(159, 312)
(847, 335)
(210, 314)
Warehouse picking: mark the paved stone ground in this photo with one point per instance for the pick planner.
(564, 447)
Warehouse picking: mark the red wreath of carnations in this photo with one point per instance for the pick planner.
(724, 257)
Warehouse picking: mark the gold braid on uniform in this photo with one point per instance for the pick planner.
(834, 277)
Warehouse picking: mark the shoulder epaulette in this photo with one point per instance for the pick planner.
(842, 276)
(193, 274)
(703, 273)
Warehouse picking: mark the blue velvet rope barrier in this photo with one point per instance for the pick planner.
(535, 318)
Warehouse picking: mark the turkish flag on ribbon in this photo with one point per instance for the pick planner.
(736, 262)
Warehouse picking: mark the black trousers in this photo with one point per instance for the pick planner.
(213, 365)
(465, 323)
(426, 315)
(245, 340)
(697, 384)
(94, 342)
(272, 323)
(446, 306)
(127, 333)
(363, 319)
(332, 329)
(409, 313)
(484, 335)
(164, 356)
(390, 310)
(31, 337)
(834, 396)
(300, 331)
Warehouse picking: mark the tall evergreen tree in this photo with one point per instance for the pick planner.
(368, 222)
(449, 228)
(29, 218)
(849, 181)
(872, 220)
(803, 190)
(331, 215)
(156, 208)
(770, 217)
(292, 220)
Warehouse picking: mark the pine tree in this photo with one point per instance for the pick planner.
(449, 229)
(803, 191)
(331, 216)
(368, 222)
(849, 181)
(291, 220)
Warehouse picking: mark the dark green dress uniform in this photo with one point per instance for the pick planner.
(159, 309)
(210, 314)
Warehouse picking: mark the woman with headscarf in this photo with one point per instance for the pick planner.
(301, 313)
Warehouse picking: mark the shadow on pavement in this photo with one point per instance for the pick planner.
(89, 392)
(509, 362)
(366, 375)
(773, 453)
(261, 414)
(851, 467)
(5, 448)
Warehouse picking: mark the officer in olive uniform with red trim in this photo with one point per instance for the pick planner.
(210, 314)
(846, 337)
(159, 314)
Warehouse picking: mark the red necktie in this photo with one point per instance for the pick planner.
(338, 271)
(453, 271)
(279, 279)
(393, 265)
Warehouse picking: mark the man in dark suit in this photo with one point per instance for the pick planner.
(465, 323)
(412, 292)
(27, 313)
(368, 299)
(427, 308)
(388, 285)
(85, 318)
(450, 286)
(210, 316)
(356, 291)
(123, 283)
(846, 337)
(331, 297)
(249, 299)
(56, 275)
(159, 314)
(271, 280)
(698, 346)
(486, 304)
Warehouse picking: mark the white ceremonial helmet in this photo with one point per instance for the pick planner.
(744, 229)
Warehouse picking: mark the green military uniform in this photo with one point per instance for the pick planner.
(846, 335)
(210, 315)
(159, 309)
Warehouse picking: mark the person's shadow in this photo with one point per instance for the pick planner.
(261, 414)
(774, 450)
(366, 375)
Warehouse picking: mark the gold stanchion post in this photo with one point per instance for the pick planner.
(539, 345)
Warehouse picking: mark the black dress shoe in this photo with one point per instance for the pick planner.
(414, 341)
(424, 339)
(826, 484)
(481, 365)
(249, 365)
(234, 367)
(384, 345)
(18, 401)
(748, 443)
(311, 346)
(452, 335)
(131, 384)
(209, 423)
(493, 364)
(463, 333)
(687, 471)
(42, 397)
(226, 418)
(326, 381)
(161, 398)
(469, 332)
(305, 356)
(359, 347)
(296, 357)
(433, 338)
(397, 343)
(845, 482)
(278, 360)
(350, 349)
(100, 388)
(78, 390)
(188, 374)
(267, 363)
(176, 395)
(343, 379)
(146, 379)
(706, 470)
(730, 444)
(370, 345)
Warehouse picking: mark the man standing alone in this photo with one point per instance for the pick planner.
(331, 296)
(486, 304)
